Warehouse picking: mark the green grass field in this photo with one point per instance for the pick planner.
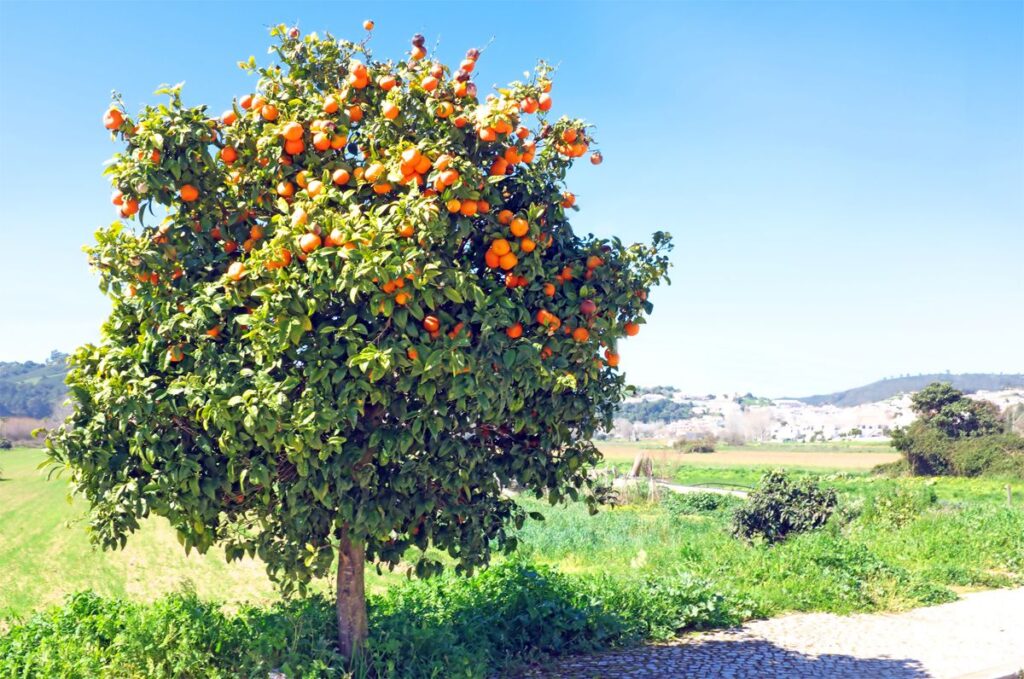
(969, 539)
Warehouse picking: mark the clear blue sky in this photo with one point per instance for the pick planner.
(845, 181)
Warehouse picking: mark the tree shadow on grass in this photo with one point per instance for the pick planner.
(734, 659)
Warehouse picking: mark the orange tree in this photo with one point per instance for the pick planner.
(355, 312)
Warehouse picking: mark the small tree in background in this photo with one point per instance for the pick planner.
(357, 312)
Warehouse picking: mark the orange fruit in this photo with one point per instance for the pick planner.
(611, 358)
(314, 188)
(492, 259)
(568, 199)
(309, 242)
(505, 217)
(321, 142)
(454, 205)
(407, 230)
(401, 298)
(269, 112)
(213, 332)
(468, 208)
(389, 110)
(508, 261)
(236, 271)
(431, 324)
(188, 193)
(175, 354)
(245, 102)
(581, 334)
(387, 82)
(544, 102)
(549, 289)
(631, 329)
(292, 131)
(500, 247)
(355, 114)
(519, 227)
(515, 331)
(368, 25)
(330, 104)
(373, 172)
(527, 245)
(340, 177)
(596, 158)
(412, 354)
(285, 189)
(113, 119)
(228, 154)
(295, 147)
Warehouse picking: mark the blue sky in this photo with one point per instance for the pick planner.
(845, 181)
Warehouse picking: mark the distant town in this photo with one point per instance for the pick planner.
(744, 418)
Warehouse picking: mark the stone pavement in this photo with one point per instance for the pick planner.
(981, 633)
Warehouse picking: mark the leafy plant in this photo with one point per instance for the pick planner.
(699, 503)
(897, 504)
(781, 506)
(364, 313)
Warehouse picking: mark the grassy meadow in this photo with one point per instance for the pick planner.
(969, 538)
(647, 569)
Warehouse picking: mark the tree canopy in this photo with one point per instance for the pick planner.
(349, 310)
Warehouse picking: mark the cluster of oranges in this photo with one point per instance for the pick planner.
(340, 141)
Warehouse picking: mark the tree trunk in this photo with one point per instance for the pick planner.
(351, 605)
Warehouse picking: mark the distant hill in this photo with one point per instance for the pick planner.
(885, 389)
(32, 389)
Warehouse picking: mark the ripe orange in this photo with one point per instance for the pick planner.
(213, 332)
(631, 329)
(321, 142)
(309, 242)
(175, 354)
(508, 261)
(314, 188)
(505, 217)
(292, 131)
(500, 247)
(188, 193)
(453, 205)
(596, 158)
(581, 334)
(468, 208)
(113, 119)
(407, 230)
(236, 271)
(373, 172)
(330, 104)
(299, 217)
(340, 177)
(568, 199)
(593, 261)
(492, 259)
(390, 110)
(295, 147)
(429, 83)
(611, 358)
(285, 189)
(549, 289)
(527, 245)
(245, 102)
(368, 25)
(544, 102)
(401, 298)
(431, 324)
(387, 82)
(228, 154)
(515, 331)
(519, 227)
(444, 109)
(269, 112)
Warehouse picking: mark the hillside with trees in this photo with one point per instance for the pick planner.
(31, 389)
(894, 386)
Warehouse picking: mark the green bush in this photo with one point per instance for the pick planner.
(701, 445)
(930, 452)
(5, 444)
(781, 506)
(443, 627)
(681, 504)
(897, 505)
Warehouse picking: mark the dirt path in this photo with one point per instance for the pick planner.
(981, 636)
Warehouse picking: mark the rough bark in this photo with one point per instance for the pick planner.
(351, 596)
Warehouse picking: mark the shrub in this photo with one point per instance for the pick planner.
(898, 504)
(680, 504)
(930, 452)
(5, 444)
(781, 506)
(445, 626)
(705, 444)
